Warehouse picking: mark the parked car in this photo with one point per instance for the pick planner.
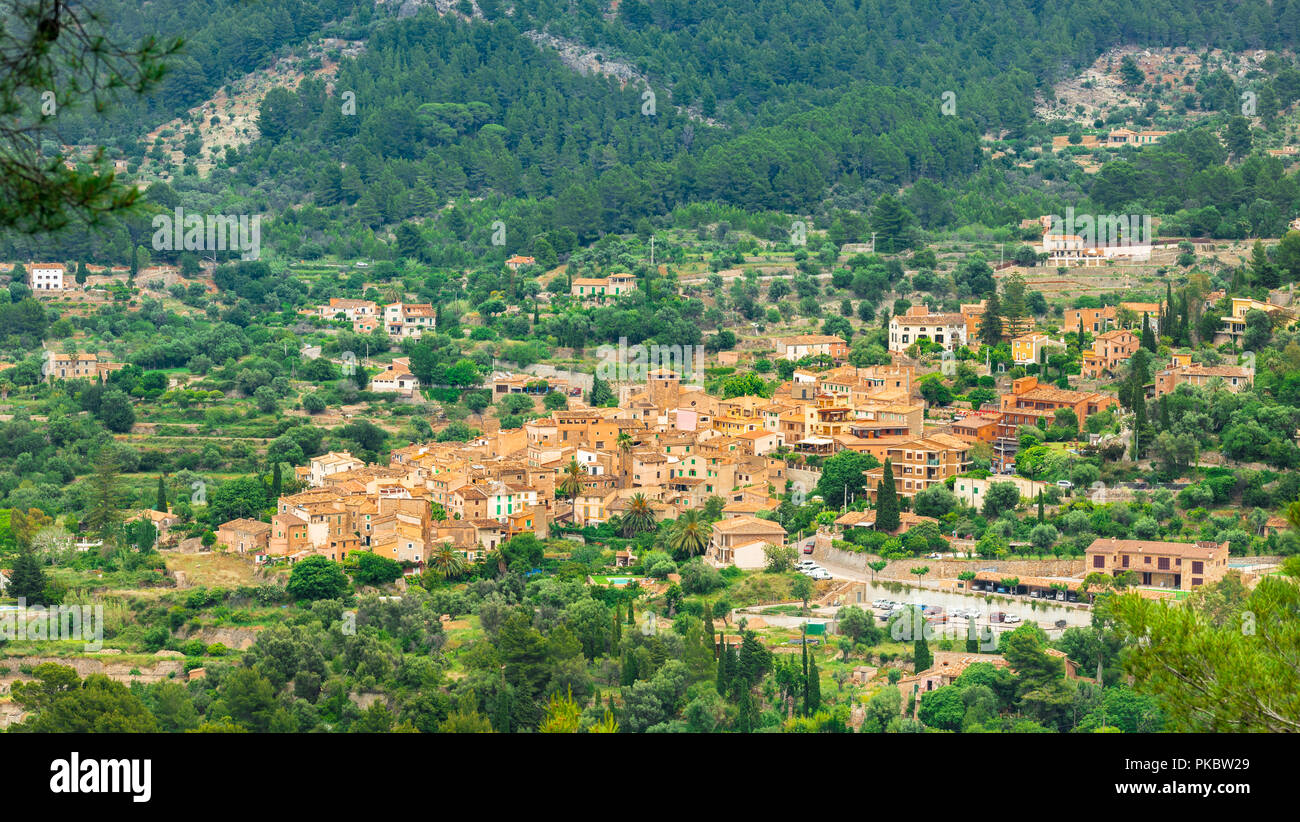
(805, 563)
(1010, 618)
(881, 603)
(819, 573)
(934, 556)
(807, 549)
(1066, 484)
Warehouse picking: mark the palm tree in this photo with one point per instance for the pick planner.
(570, 484)
(571, 479)
(691, 535)
(447, 562)
(625, 453)
(639, 517)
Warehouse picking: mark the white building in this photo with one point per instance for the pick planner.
(973, 490)
(46, 276)
(396, 378)
(947, 330)
(331, 463)
(409, 320)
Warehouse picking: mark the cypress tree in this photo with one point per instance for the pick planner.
(1040, 506)
(501, 718)
(972, 642)
(1148, 337)
(813, 688)
(722, 668)
(616, 634)
(733, 668)
(922, 659)
(806, 695)
(160, 504)
(629, 668)
(887, 501)
(275, 482)
(1172, 324)
(27, 580)
(991, 323)
(745, 719)
(1139, 421)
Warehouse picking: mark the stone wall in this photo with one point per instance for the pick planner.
(901, 569)
(105, 664)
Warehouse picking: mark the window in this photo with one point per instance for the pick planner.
(1099, 561)
(1163, 563)
(1198, 567)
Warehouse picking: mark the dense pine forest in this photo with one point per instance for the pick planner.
(793, 108)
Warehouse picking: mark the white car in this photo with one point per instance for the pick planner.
(804, 564)
(881, 603)
(819, 573)
(1010, 618)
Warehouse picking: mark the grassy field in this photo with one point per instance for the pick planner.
(214, 569)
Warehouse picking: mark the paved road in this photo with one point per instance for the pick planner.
(1045, 615)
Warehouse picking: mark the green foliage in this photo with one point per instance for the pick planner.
(372, 569)
(316, 577)
(887, 501)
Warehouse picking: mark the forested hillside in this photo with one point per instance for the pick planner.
(819, 107)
